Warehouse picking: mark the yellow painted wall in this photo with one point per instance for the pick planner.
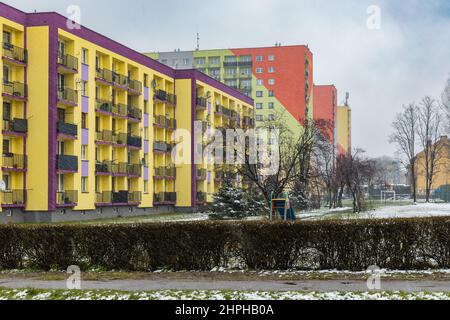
(37, 141)
(344, 127)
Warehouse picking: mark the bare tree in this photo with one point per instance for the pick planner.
(446, 106)
(429, 132)
(405, 137)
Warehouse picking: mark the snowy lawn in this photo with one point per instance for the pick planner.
(33, 294)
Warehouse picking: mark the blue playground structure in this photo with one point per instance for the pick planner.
(281, 209)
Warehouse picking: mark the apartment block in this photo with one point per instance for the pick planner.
(279, 79)
(88, 124)
(325, 111)
(344, 129)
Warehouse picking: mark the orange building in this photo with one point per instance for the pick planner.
(325, 109)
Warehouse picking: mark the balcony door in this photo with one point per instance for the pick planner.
(6, 111)
(61, 82)
(6, 74)
(61, 115)
(7, 181)
(7, 37)
(61, 49)
(114, 182)
(60, 183)
(6, 147)
(60, 150)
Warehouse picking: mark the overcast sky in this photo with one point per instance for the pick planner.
(407, 58)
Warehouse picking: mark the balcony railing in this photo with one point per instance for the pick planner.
(171, 123)
(164, 96)
(120, 80)
(219, 109)
(15, 53)
(120, 168)
(120, 138)
(68, 61)
(134, 196)
(17, 126)
(201, 174)
(119, 109)
(135, 86)
(15, 89)
(202, 103)
(160, 146)
(134, 141)
(14, 161)
(67, 163)
(104, 106)
(134, 113)
(165, 197)
(13, 197)
(105, 75)
(172, 99)
(68, 197)
(134, 170)
(105, 136)
(104, 167)
(201, 197)
(160, 121)
(67, 94)
(67, 129)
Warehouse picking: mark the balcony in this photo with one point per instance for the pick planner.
(105, 137)
(119, 110)
(67, 63)
(161, 147)
(14, 162)
(67, 96)
(165, 97)
(15, 54)
(120, 169)
(104, 76)
(172, 99)
(226, 112)
(68, 130)
(120, 198)
(230, 64)
(135, 87)
(134, 170)
(201, 197)
(120, 81)
(202, 104)
(67, 164)
(103, 168)
(248, 122)
(245, 63)
(201, 174)
(134, 113)
(13, 198)
(103, 106)
(14, 90)
(171, 124)
(134, 197)
(160, 122)
(165, 198)
(168, 173)
(67, 198)
(134, 141)
(15, 127)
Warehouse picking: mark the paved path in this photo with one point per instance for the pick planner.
(313, 285)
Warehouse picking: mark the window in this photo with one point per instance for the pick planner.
(271, 58)
(97, 92)
(6, 180)
(84, 184)
(97, 63)
(84, 88)
(259, 70)
(271, 117)
(5, 146)
(259, 94)
(146, 134)
(174, 62)
(84, 121)
(145, 80)
(146, 187)
(259, 106)
(271, 70)
(84, 56)
(214, 60)
(60, 150)
(271, 82)
(200, 61)
(246, 84)
(7, 37)
(60, 183)
(6, 111)
(271, 105)
(230, 59)
(61, 82)
(61, 48)
(246, 71)
(259, 117)
(260, 82)
(271, 93)
(145, 106)
(245, 58)
(230, 71)
(84, 152)
(259, 58)
(214, 72)
(164, 61)
(186, 61)
(6, 74)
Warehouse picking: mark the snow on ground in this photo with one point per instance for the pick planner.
(24, 294)
(410, 211)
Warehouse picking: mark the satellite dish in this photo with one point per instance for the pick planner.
(2, 186)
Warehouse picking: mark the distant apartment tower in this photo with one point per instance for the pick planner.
(279, 79)
(344, 129)
(326, 111)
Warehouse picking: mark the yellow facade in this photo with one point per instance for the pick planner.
(103, 122)
(442, 170)
(344, 130)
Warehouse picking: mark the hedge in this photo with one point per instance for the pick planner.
(344, 245)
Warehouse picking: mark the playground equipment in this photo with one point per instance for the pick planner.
(281, 209)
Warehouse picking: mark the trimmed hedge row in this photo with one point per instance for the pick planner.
(344, 245)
